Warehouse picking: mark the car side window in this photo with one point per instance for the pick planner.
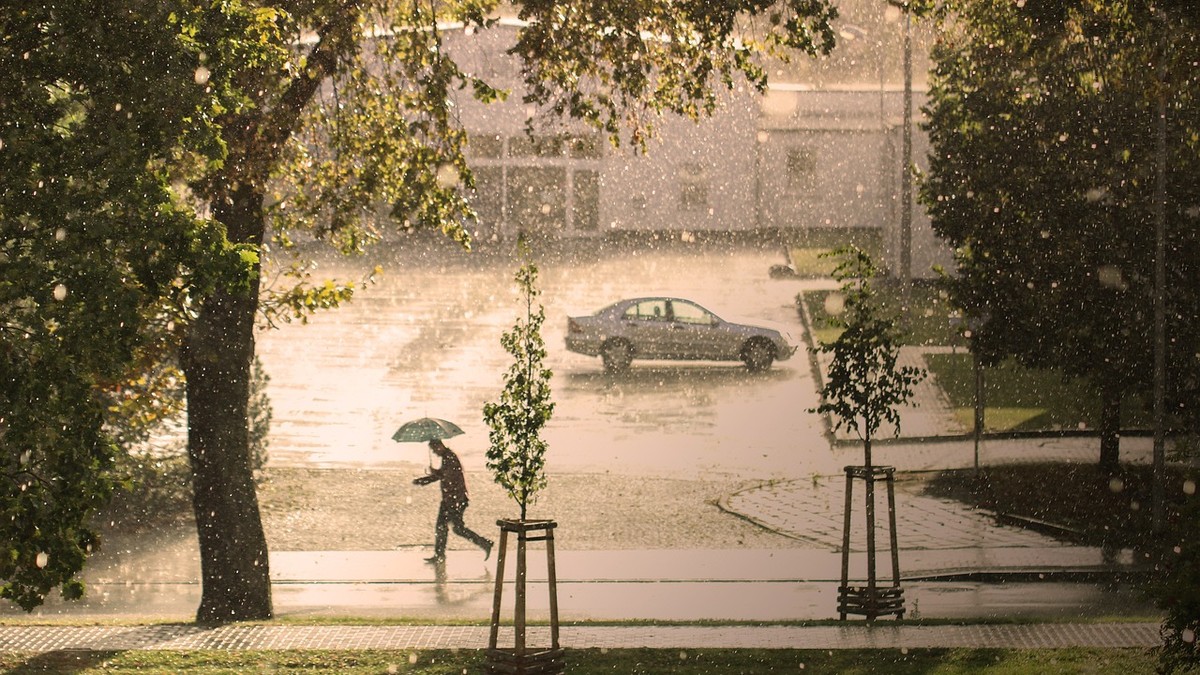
(647, 310)
(686, 312)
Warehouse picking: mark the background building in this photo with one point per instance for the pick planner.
(795, 160)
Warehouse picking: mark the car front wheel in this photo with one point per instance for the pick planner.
(616, 355)
(758, 355)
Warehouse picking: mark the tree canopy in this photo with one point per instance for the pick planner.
(218, 135)
(1042, 176)
(517, 454)
(100, 257)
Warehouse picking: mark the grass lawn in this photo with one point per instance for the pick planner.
(1016, 398)
(1020, 399)
(806, 249)
(929, 322)
(596, 661)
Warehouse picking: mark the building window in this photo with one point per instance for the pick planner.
(537, 198)
(488, 197)
(801, 170)
(590, 146)
(487, 146)
(557, 145)
(585, 207)
(534, 146)
(693, 188)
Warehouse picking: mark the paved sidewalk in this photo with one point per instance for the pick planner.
(659, 585)
(811, 509)
(855, 636)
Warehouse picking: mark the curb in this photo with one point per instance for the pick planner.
(723, 505)
(1078, 575)
(987, 436)
(1041, 526)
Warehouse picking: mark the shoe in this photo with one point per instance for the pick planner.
(436, 559)
(487, 550)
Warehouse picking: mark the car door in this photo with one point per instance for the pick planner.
(647, 327)
(694, 332)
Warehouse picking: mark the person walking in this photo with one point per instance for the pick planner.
(454, 503)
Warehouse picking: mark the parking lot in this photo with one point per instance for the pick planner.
(425, 341)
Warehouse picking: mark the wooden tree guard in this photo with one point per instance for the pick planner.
(520, 659)
(870, 601)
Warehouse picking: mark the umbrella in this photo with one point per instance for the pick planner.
(425, 429)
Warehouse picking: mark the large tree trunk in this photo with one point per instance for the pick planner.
(217, 357)
(219, 350)
(1110, 427)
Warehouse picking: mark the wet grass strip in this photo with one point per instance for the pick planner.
(1024, 399)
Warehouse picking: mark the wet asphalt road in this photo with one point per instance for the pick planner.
(425, 341)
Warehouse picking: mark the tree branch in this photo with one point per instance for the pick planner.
(321, 63)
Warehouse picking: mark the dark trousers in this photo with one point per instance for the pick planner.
(451, 514)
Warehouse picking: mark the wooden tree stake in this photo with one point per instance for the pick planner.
(521, 659)
(870, 601)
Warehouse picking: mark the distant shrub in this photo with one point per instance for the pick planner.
(154, 480)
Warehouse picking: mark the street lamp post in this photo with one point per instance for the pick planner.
(894, 9)
(973, 326)
(899, 10)
(851, 32)
(906, 199)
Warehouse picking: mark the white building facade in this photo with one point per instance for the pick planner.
(792, 160)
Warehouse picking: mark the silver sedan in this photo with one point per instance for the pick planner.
(674, 329)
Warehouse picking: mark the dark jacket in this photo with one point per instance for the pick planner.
(454, 484)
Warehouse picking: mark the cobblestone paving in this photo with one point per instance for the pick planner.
(812, 510)
(857, 636)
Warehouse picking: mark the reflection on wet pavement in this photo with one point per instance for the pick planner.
(424, 340)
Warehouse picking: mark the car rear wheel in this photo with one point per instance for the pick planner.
(616, 355)
(758, 355)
